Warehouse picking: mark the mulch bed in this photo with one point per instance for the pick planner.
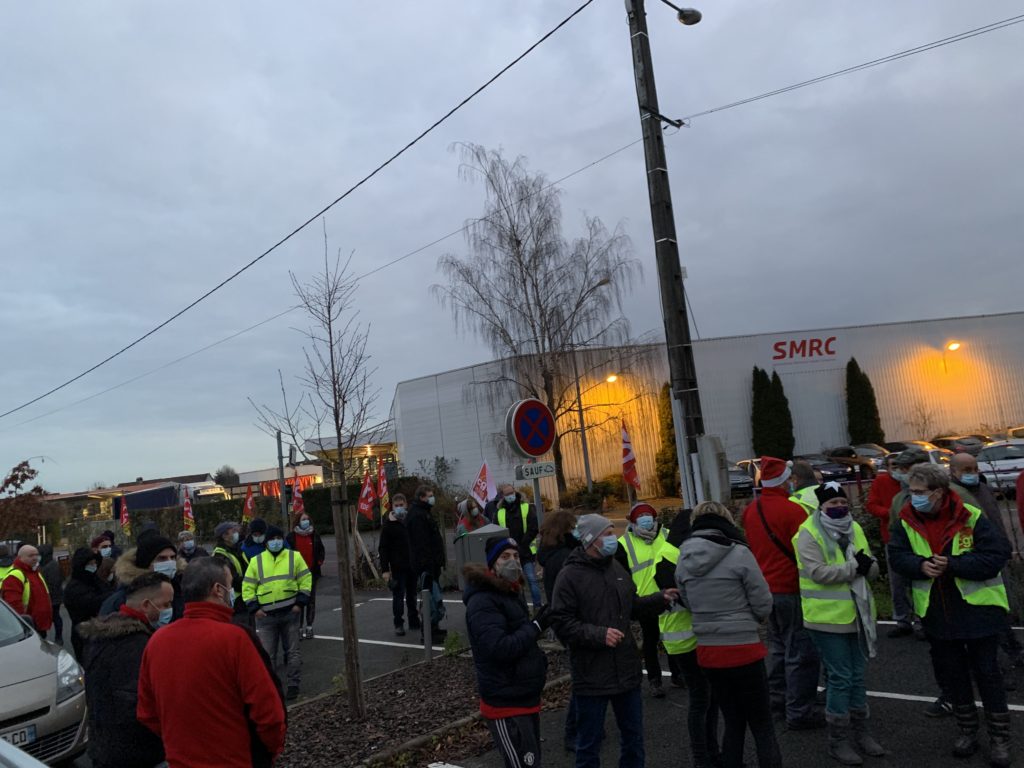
(400, 706)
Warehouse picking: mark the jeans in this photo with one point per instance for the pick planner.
(651, 631)
(629, 717)
(530, 571)
(793, 662)
(742, 693)
(403, 597)
(282, 627)
(899, 586)
(844, 662)
(956, 661)
(702, 713)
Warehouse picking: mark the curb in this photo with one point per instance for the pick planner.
(327, 694)
(424, 739)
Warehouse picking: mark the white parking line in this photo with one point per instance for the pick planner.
(379, 642)
(388, 600)
(928, 699)
(339, 608)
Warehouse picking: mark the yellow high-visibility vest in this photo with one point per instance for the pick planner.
(524, 510)
(806, 498)
(26, 586)
(274, 581)
(641, 557)
(676, 624)
(829, 603)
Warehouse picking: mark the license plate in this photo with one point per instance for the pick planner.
(20, 737)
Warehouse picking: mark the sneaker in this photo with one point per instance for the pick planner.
(939, 708)
(809, 723)
(293, 693)
(400, 631)
(900, 630)
(678, 681)
(657, 691)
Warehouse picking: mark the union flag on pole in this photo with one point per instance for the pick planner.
(126, 521)
(382, 488)
(248, 507)
(366, 497)
(483, 489)
(298, 505)
(629, 472)
(188, 519)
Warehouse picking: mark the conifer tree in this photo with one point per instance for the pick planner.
(863, 422)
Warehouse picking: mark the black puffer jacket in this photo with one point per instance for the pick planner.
(393, 547)
(426, 547)
(510, 668)
(83, 594)
(552, 559)
(111, 660)
(591, 595)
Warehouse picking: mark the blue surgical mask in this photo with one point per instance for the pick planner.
(609, 545)
(431, 500)
(275, 545)
(258, 539)
(576, 533)
(304, 524)
(510, 498)
(233, 538)
(645, 523)
(106, 551)
(969, 478)
(165, 616)
(399, 512)
(921, 503)
(167, 567)
(189, 546)
(899, 476)
(91, 568)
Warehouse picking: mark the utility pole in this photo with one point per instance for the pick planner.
(583, 424)
(686, 410)
(280, 483)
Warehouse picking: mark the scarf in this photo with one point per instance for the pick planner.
(840, 530)
(839, 533)
(647, 536)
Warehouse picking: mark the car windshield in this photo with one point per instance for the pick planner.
(867, 450)
(1002, 453)
(12, 629)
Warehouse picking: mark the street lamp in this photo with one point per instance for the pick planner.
(686, 408)
(951, 346)
(612, 378)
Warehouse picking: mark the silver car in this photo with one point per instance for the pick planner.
(42, 693)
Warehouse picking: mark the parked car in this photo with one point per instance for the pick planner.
(752, 468)
(12, 757)
(971, 444)
(42, 693)
(902, 445)
(849, 456)
(1001, 462)
(940, 456)
(830, 469)
(1015, 433)
(740, 483)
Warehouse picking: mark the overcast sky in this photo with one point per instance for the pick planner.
(149, 150)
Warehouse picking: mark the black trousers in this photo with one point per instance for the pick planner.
(956, 662)
(517, 739)
(652, 635)
(309, 609)
(702, 715)
(403, 595)
(742, 694)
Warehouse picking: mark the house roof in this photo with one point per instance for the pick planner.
(202, 477)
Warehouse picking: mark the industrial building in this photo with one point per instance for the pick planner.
(931, 377)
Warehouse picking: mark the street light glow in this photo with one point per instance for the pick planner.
(953, 346)
(612, 378)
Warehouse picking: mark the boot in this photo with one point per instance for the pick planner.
(998, 725)
(966, 743)
(862, 734)
(839, 746)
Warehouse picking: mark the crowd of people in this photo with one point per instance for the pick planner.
(755, 612)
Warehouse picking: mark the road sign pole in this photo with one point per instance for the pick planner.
(537, 503)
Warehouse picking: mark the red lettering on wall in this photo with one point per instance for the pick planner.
(814, 348)
(798, 348)
(829, 350)
(804, 349)
(780, 350)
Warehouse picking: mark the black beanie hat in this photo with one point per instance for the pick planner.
(258, 525)
(150, 546)
(273, 532)
(829, 491)
(495, 545)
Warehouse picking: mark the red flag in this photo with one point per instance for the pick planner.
(483, 489)
(189, 520)
(629, 472)
(382, 488)
(366, 497)
(248, 507)
(126, 521)
(298, 505)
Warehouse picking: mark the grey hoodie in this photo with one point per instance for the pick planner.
(721, 584)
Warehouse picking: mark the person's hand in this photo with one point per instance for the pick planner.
(931, 570)
(864, 562)
(386, 576)
(261, 614)
(613, 637)
(941, 560)
(542, 618)
(296, 609)
(671, 595)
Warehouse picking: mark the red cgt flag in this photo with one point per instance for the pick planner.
(629, 472)
(382, 488)
(483, 489)
(188, 519)
(298, 505)
(126, 521)
(248, 507)
(366, 497)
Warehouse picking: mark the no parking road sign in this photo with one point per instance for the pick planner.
(530, 427)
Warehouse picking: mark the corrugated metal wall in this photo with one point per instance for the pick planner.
(921, 389)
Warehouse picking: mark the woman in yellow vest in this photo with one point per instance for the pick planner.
(834, 562)
(953, 557)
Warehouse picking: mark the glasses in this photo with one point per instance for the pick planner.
(922, 492)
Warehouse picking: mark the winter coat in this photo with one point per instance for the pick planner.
(318, 553)
(949, 616)
(393, 546)
(426, 547)
(552, 559)
(981, 496)
(514, 522)
(720, 583)
(126, 571)
(784, 518)
(510, 668)
(592, 595)
(49, 569)
(252, 549)
(39, 608)
(883, 490)
(112, 655)
(206, 689)
(188, 557)
(84, 593)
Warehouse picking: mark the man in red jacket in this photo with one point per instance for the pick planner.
(771, 521)
(883, 490)
(25, 591)
(236, 718)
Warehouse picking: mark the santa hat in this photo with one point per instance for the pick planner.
(642, 508)
(774, 472)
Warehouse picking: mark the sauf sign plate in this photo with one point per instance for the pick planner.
(535, 471)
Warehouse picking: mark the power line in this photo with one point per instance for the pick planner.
(996, 25)
(312, 218)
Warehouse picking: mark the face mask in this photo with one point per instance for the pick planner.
(165, 616)
(791, 486)
(509, 570)
(189, 546)
(233, 538)
(91, 568)
(399, 512)
(836, 513)
(969, 478)
(105, 551)
(645, 523)
(231, 597)
(304, 524)
(474, 512)
(921, 503)
(168, 568)
(609, 545)
(431, 500)
(899, 476)
(275, 545)
(576, 533)
(259, 539)
(510, 498)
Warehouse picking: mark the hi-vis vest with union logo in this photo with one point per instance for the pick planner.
(989, 592)
(642, 556)
(676, 623)
(829, 603)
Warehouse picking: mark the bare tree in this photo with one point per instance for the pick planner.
(21, 507)
(332, 412)
(226, 475)
(533, 296)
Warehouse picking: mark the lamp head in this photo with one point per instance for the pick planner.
(689, 16)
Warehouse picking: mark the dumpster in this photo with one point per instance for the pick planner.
(470, 547)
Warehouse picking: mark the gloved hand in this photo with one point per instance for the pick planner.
(542, 618)
(864, 562)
